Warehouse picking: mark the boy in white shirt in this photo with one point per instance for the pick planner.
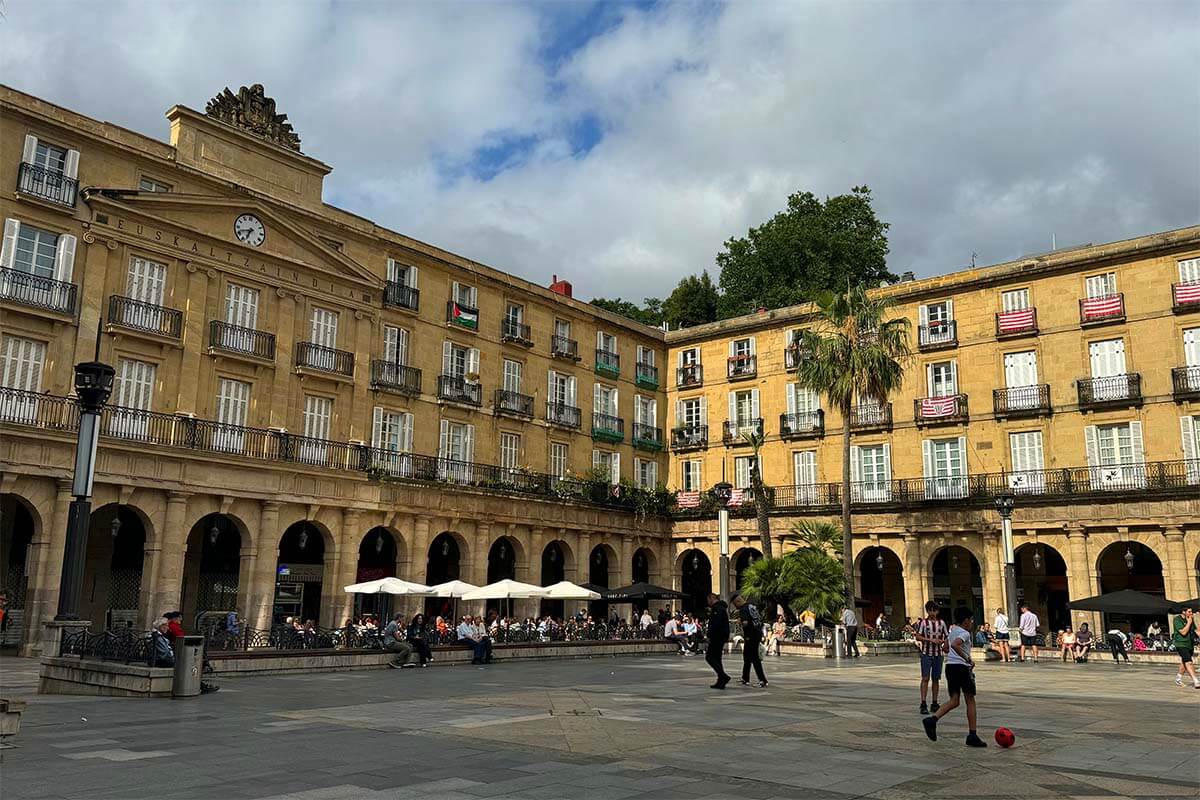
(960, 677)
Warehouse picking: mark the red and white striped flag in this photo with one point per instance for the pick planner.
(688, 499)
(1100, 307)
(1012, 321)
(934, 407)
(736, 497)
(1187, 293)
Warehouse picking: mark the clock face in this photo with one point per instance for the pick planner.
(249, 229)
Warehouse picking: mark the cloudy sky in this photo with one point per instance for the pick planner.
(620, 144)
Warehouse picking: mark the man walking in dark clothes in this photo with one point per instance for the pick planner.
(752, 636)
(718, 637)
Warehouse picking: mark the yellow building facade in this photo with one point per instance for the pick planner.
(1070, 380)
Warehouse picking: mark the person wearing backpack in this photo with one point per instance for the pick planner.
(752, 636)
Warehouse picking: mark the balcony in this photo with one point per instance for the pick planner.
(645, 375)
(689, 375)
(937, 335)
(134, 315)
(1102, 310)
(514, 404)
(607, 428)
(734, 431)
(35, 291)
(562, 347)
(462, 316)
(312, 356)
(399, 295)
(689, 437)
(871, 417)
(947, 410)
(608, 363)
(388, 376)
(241, 341)
(1021, 401)
(1116, 391)
(515, 332)
(47, 184)
(742, 367)
(1185, 297)
(563, 415)
(793, 354)
(457, 389)
(647, 437)
(1014, 324)
(1185, 383)
(802, 425)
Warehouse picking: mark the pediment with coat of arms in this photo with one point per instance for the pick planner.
(252, 111)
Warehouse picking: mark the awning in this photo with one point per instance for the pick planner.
(390, 586)
(565, 590)
(641, 591)
(1126, 601)
(506, 589)
(453, 589)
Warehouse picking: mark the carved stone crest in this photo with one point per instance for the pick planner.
(252, 111)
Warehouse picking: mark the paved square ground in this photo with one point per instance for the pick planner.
(607, 729)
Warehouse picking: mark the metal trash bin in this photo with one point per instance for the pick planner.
(189, 660)
(839, 641)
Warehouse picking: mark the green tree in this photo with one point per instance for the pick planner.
(809, 247)
(651, 314)
(801, 579)
(694, 302)
(771, 582)
(820, 535)
(855, 353)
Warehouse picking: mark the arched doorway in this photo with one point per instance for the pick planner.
(211, 568)
(957, 581)
(1131, 565)
(1042, 583)
(742, 560)
(444, 563)
(695, 581)
(881, 584)
(16, 534)
(112, 575)
(600, 573)
(553, 571)
(300, 573)
(643, 565)
(502, 565)
(377, 554)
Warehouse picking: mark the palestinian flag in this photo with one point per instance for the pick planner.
(467, 317)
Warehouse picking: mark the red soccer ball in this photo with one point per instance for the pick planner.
(1005, 737)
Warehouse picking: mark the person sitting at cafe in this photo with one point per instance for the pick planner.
(472, 636)
(393, 639)
(673, 632)
(164, 656)
(416, 637)
(1067, 644)
(1083, 642)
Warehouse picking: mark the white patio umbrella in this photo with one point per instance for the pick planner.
(565, 590)
(390, 586)
(453, 589)
(506, 589)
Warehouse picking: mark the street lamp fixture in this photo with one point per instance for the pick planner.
(214, 533)
(879, 558)
(379, 542)
(1037, 559)
(1004, 507)
(115, 526)
(722, 492)
(1129, 558)
(302, 539)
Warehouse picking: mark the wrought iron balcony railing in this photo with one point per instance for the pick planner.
(1021, 401)
(689, 375)
(515, 332)
(47, 184)
(401, 295)
(938, 335)
(310, 355)
(689, 437)
(742, 367)
(458, 389)
(647, 437)
(388, 376)
(513, 403)
(802, 425)
(734, 431)
(236, 339)
(608, 362)
(608, 428)
(1185, 383)
(645, 375)
(135, 315)
(563, 415)
(871, 417)
(1111, 391)
(940, 410)
(37, 292)
(562, 347)
(1185, 296)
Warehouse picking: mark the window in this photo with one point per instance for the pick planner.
(562, 389)
(21, 363)
(1191, 347)
(1115, 455)
(608, 463)
(50, 157)
(605, 400)
(1014, 300)
(804, 472)
(562, 329)
(324, 327)
(514, 313)
(558, 460)
(147, 281)
(1109, 378)
(1189, 270)
(392, 431)
(456, 449)
(691, 474)
(936, 315)
(51, 173)
(1020, 369)
(133, 393)
(512, 376)
(691, 412)
(395, 345)
(510, 451)
(233, 404)
(151, 185)
(743, 410)
(689, 357)
(241, 306)
(1101, 285)
(402, 274)
(606, 342)
(1025, 449)
(317, 413)
(741, 471)
(645, 411)
(647, 473)
(945, 467)
(942, 378)
(463, 294)
(801, 401)
(645, 355)
(30, 249)
(1190, 431)
(741, 348)
(870, 472)
(460, 362)
(936, 323)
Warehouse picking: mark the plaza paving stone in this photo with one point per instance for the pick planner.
(610, 729)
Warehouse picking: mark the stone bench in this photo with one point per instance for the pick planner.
(10, 716)
(75, 675)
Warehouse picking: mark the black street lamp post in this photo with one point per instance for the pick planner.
(722, 492)
(93, 385)
(1004, 505)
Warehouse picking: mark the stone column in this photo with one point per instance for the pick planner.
(625, 570)
(419, 553)
(331, 575)
(572, 571)
(262, 589)
(479, 565)
(41, 596)
(1176, 572)
(348, 569)
(915, 591)
(583, 560)
(993, 579)
(1081, 579)
(247, 566)
(167, 583)
(537, 542)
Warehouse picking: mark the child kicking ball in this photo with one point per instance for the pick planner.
(960, 677)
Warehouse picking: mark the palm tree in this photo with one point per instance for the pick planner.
(820, 535)
(854, 353)
(761, 502)
(771, 582)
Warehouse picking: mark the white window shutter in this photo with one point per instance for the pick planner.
(393, 270)
(753, 349)
(887, 461)
(454, 291)
(12, 229)
(679, 412)
(927, 458)
(64, 259)
(754, 409)
(377, 429)
(468, 443)
(550, 386)
(30, 149)
(962, 450)
(71, 165)
(599, 340)
(923, 316)
(929, 380)
(596, 407)
(791, 397)
(616, 404)
(731, 350)
(616, 468)
(855, 464)
(704, 411)
(950, 309)
(595, 459)
(954, 376)
(1191, 448)
(446, 357)
(571, 391)
(733, 408)
(473, 362)
(412, 277)
(444, 439)
(1135, 442)
(1091, 446)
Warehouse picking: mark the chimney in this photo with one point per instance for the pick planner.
(907, 276)
(560, 287)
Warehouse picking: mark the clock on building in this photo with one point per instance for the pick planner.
(249, 229)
